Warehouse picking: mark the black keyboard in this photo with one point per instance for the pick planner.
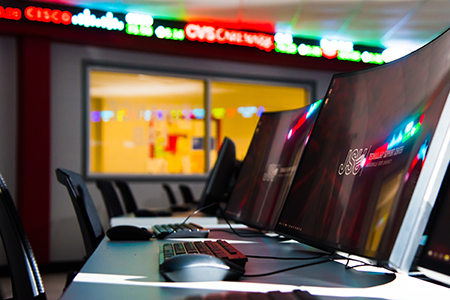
(219, 248)
(294, 295)
(188, 230)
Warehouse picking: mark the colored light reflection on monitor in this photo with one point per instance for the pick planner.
(269, 166)
(374, 162)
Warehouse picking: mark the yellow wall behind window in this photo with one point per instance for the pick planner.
(134, 139)
(129, 137)
(230, 95)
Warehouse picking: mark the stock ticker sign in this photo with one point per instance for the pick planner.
(10, 13)
(210, 34)
(48, 15)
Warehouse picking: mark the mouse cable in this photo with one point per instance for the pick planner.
(260, 234)
(346, 266)
(362, 263)
(289, 269)
(225, 218)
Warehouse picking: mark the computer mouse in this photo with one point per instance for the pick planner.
(128, 233)
(199, 267)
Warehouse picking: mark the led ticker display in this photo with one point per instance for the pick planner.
(210, 34)
(10, 13)
(318, 51)
(145, 26)
(168, 33)
(139, 24)
(139, 19)
(142, 30)
(88, 19)
(48, 15)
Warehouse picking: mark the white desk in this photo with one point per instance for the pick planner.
(130, 219)
(129, 270)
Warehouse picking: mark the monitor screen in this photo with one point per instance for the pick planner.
(269, 166)
(372, 167)
(434, 261)
(220, 180)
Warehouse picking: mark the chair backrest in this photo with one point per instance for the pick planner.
(127, 196)
(170, 194)
(110, 198)
(88, 219)
(186, 192)
(25, 277)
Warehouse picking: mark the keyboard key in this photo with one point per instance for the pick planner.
(190, 248)
(179, 249)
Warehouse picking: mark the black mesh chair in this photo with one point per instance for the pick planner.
(88, 219)
(174, 206)
(130, 202)
(110, 198)
(187, 194)
(25, 277)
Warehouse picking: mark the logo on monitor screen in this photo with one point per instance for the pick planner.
(354, 162)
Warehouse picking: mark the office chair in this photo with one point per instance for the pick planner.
(127, 196)
(174, 206)
(187, 194)
(110, 198)
(130, 202)
(88, 219)
(25, 277)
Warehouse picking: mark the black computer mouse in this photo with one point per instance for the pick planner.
(199, 267)
(128, 233)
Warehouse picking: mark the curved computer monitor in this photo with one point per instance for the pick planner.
(269, 166)
(220, 180)
(375, 160)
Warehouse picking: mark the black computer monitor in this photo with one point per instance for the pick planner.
(373, 165)
(269, 166)
(220, 181)
(434, 261)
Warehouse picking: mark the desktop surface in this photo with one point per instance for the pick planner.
(119, 270)
(178, 217)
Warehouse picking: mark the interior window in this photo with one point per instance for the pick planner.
(144, 124)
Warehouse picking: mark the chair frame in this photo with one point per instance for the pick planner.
(110, 198)
(88, 219)
(25, 277)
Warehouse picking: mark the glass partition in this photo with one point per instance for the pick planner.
(146, 124)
